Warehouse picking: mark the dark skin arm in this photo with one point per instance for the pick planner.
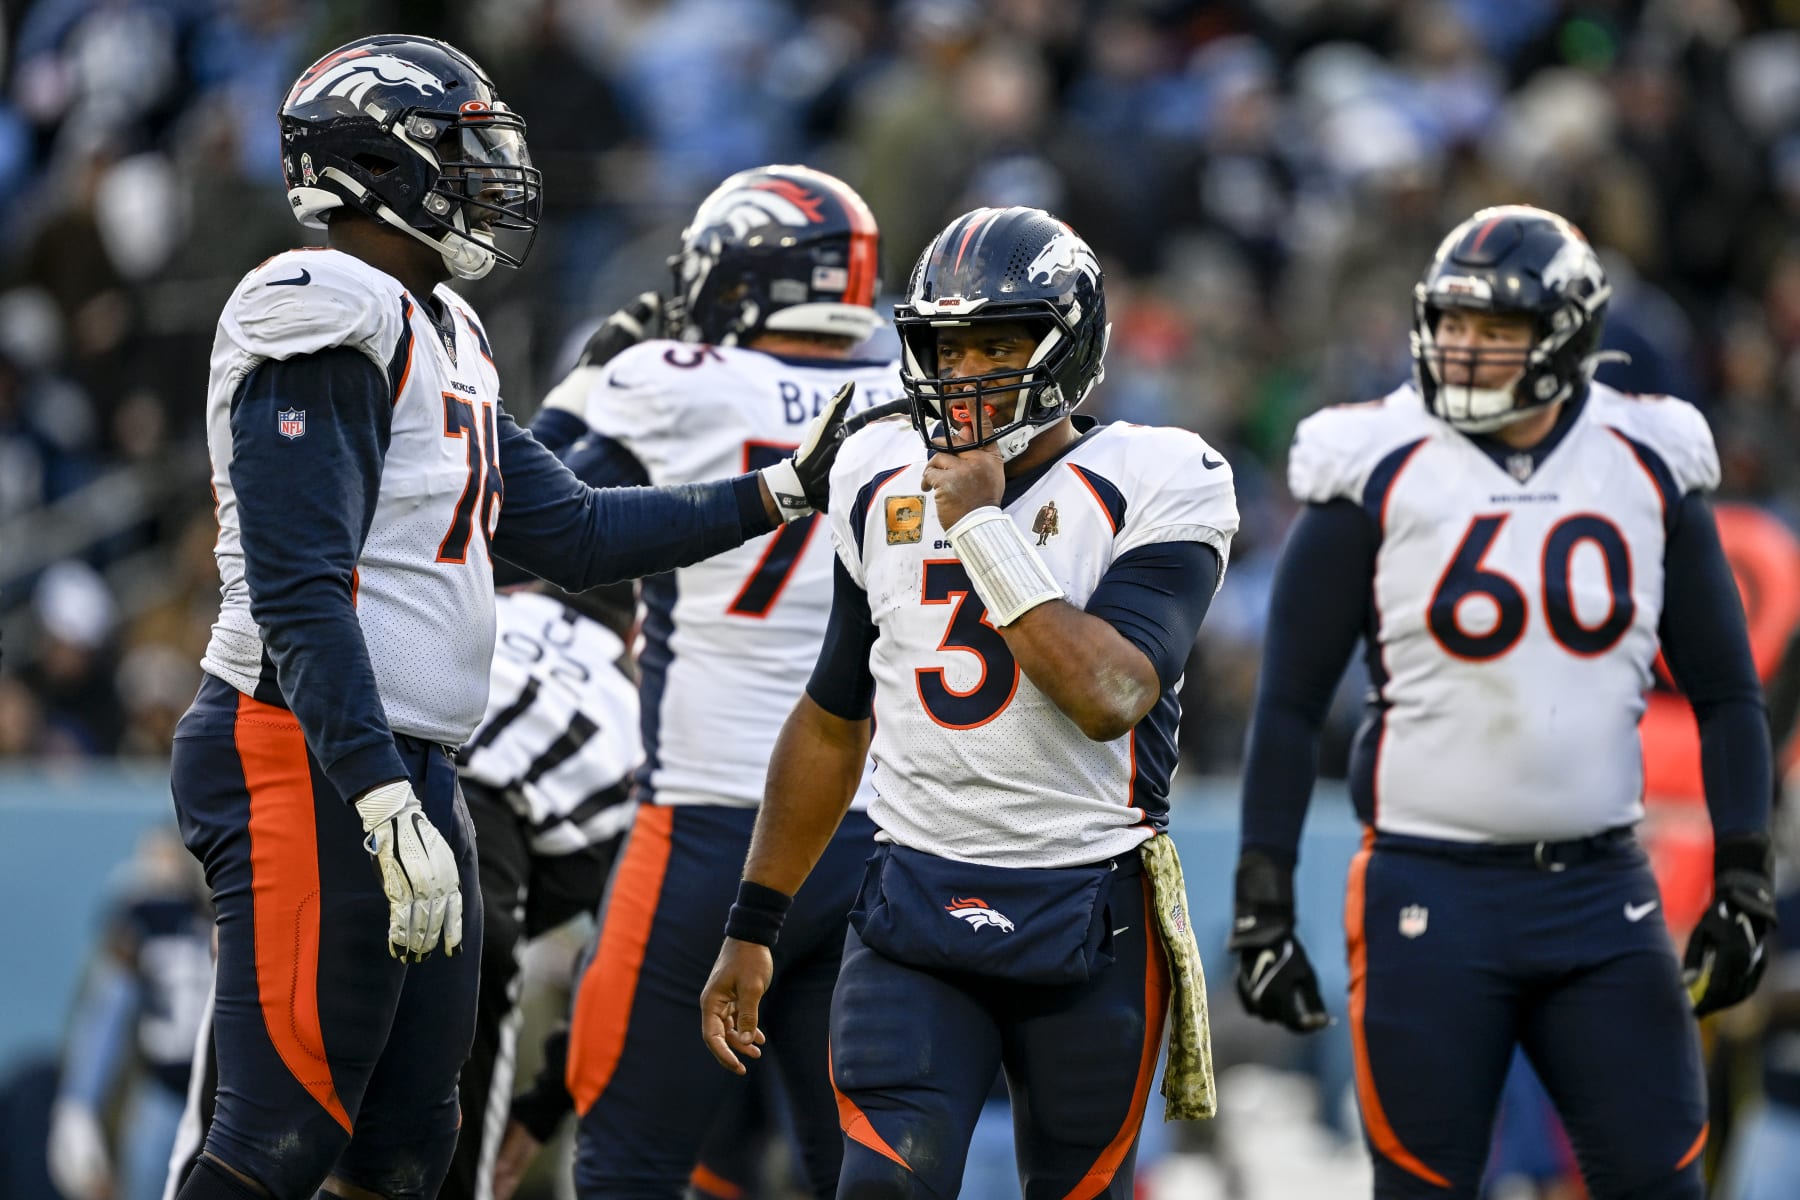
(813, 773)
(1097, 678)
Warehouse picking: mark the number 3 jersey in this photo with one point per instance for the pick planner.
(423, 568)
(1515, 608)
(727, 644)
(973, 762)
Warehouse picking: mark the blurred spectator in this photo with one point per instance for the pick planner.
(71, 677)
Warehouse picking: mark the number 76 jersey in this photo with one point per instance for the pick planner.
(1515, 605)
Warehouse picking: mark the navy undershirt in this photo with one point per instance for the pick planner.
(1331, 552)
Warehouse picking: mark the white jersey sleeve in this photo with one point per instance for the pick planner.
(1188, 494)
(1671, 428)
(1336, 449)
(302, 302)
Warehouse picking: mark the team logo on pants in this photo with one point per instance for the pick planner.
(976, 912)
(291, 423)
(1413, 919)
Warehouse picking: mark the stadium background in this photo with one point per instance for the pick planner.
(1263, 179)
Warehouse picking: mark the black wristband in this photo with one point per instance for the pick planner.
(757, 914)
(1742, 852)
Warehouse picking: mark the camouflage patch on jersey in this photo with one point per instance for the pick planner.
(1188, 1090)
(905, 519)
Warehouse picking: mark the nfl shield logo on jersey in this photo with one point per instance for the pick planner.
(291, 423)
(1413, 919)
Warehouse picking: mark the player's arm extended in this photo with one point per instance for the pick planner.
(1105, 666)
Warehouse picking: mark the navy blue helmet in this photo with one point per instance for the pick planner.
(993, 265)
(782, 248)
(1512, 260)
(408, 132)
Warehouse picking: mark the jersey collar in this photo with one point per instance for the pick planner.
(1018, 485)
(1521, 465)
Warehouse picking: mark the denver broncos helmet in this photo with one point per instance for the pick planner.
(783, 248)
(1004, 264)
(408, 131)
(1512, 259)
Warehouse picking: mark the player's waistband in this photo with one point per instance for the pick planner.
(1544, 856)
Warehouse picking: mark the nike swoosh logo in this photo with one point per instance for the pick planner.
(300, 280)
(1211, 463)
(1121, 929)
(1637, 912)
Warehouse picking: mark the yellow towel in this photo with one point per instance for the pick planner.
(1188, 1093)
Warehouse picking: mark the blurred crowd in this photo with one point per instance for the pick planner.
(1264, 179)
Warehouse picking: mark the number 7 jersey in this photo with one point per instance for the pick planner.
(1516, 600)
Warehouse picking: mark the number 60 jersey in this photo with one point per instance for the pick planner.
(1516, 599)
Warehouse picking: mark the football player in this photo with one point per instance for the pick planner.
(365, 471)
(774, 288)
(1023, 712)
(1514, 543)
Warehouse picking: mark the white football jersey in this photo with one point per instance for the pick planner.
(561, 728)
(423, 588)
(974, 762)
(1516, 611)
(729, 643)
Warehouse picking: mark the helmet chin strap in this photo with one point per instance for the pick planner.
(462, 254)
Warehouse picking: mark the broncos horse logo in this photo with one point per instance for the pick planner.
(352, 73)
(1062, 255)
(978, 913)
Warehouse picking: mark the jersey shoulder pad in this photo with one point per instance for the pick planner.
(1670, 428)
(1174, 487)
(658, 389)
(1336, 448)
(867, 457)
(305, 301)
(466, 314)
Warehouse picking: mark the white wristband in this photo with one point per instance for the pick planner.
(1008, 573)
(784, 485)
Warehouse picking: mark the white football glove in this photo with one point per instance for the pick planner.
(79, 1163)
(418, 872)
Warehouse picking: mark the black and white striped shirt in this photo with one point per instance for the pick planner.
(560, 735)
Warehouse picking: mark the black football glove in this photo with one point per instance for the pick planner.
(802, 484)
(1725, 959)
(1274, 979)
(638, 321)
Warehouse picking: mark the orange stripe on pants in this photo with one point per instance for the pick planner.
(1156, 1014)
(855, 1123)
(1380, 1132)
(608, 987)
(284, 892)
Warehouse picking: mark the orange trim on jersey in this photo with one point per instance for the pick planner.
(708, 1182)
(1387, 1142)
(411, 345)
(1095, 493)
(284, 891)
(1662, 501)
(1693, 1151)
(1156, 1014)
(1394, 481)
(609, 986)
(855, 1123)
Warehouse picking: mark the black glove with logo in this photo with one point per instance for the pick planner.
(638, 321)
(1725, 959)
(1274, 979)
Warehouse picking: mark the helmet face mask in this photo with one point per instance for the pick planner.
(1509, 261)
(783, 249)
(408, 132)
(1015, 267)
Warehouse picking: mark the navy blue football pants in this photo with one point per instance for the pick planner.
(1456, 957)
(914, 1054)
(334, 1057)
(647, 1088)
